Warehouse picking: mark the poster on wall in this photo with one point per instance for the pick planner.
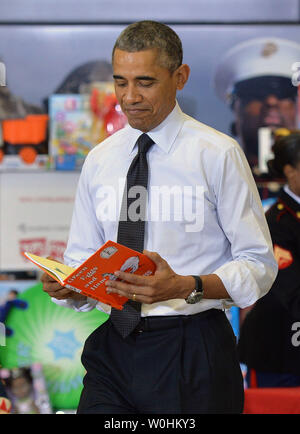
(46, 338)
(245, 85)
(35, 215)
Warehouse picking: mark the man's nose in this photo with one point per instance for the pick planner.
(271, 100)
(132, 95)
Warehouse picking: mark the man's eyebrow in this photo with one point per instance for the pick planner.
(139, 77)
(145, 77)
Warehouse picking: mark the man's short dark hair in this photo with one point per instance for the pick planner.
(286, 150)
(145, 35)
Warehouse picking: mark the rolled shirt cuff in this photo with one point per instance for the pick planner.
(246, 282)
(78, 305)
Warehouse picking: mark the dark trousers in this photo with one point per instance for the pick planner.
(169, 365)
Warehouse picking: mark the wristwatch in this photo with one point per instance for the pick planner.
(197, 294)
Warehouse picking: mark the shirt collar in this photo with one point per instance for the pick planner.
(290, 193)
(164, 134)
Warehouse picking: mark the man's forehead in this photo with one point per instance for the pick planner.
(151, 60)
(135, 56)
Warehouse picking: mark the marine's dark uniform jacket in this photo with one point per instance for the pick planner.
(270, 335)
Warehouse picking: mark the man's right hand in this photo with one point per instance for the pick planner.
(55, 290)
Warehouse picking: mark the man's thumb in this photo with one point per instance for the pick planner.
(155, 257)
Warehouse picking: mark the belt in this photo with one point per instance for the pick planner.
(151, 323)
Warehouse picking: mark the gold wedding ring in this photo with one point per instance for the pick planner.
(133, 297)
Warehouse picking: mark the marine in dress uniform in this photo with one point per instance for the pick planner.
(269, 343)
(258, 79)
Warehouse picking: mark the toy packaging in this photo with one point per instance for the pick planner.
(26, 389)
(24, 142)
(78, 122)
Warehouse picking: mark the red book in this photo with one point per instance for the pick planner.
(90, 277)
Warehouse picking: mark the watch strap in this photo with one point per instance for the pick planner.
(198, 284)
(197, 293)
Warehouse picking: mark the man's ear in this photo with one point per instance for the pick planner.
(182, 75)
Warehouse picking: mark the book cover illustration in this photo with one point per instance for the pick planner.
(90, 277)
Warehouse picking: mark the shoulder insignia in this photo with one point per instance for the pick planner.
(283, 207)
(283, 257)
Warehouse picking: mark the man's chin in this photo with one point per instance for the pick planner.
(138, 124)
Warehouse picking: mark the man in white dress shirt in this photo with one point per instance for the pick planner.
(205, 230)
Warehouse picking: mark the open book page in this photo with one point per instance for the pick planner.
(57, 270)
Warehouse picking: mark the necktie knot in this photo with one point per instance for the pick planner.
(144, 143)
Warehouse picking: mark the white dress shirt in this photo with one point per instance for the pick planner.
(290, 193)
(215, 222)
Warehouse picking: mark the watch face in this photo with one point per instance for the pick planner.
(194, 297)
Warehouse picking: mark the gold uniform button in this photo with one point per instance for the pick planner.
(298, 214)
(280, 206)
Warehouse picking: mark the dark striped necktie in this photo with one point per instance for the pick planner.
(131, 228)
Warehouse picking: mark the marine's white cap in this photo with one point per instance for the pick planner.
(253, 58)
